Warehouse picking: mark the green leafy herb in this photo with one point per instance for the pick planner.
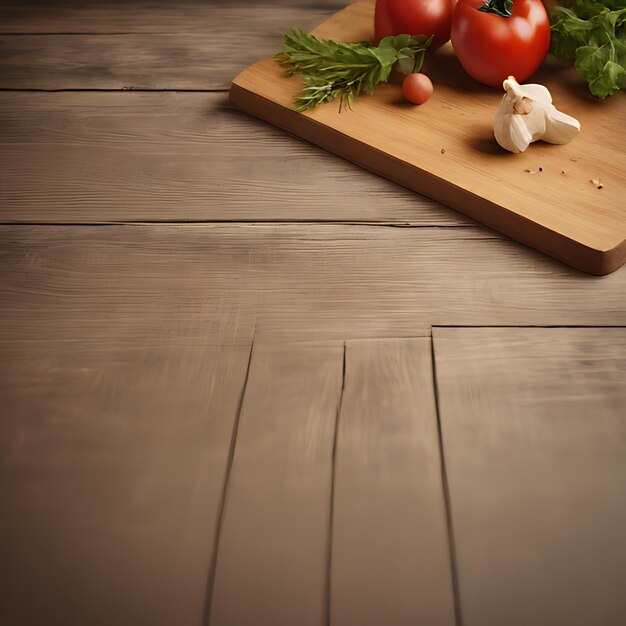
(592, 35)
(344, 70)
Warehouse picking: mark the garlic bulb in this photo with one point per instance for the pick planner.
(527, 114)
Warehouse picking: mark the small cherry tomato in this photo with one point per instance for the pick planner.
(414, 17)
(495, 39)
(417, 88)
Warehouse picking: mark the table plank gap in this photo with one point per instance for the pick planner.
(533, 430)
(390, 559)
(272, 557)
(113, 466)
(220, 514)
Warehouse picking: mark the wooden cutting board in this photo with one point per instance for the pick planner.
(445, 149)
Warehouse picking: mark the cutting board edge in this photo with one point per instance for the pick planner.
(517, 227)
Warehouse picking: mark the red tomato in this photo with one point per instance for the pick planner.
(417, 88)
(414, 17)
(491, 47)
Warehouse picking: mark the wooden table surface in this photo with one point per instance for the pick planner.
(245, 383)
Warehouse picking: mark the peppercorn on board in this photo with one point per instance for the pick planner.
(568, 201)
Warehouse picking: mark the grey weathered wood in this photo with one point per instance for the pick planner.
(111, 157)
(272, 562)
(112, 464)
(167, 46)
(163, 286)
(390, 554)
(183, 283)
(151, 16)
(534, 432)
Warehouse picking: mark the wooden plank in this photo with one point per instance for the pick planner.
(144, 45)
(151, 16)
(445, 149)
(123, 283)
(112, 474)
(272, 562)
(111, 157)
(182, 284)
(534, 433)
(390, 555)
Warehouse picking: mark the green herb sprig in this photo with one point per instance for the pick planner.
(344, 70)
(592, 35)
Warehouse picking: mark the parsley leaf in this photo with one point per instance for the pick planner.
(592, 35)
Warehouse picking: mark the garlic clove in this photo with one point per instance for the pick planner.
(526, 114)
(513, 134)
(560, 128)
(538, 93)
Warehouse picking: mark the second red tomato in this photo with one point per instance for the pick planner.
(414, 17)
(492, 47)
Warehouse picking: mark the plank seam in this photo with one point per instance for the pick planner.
(98, 33)
(332, 490)
(231, 455)
(446, 494)
(295, 222)
(113, 89)
(470, 326)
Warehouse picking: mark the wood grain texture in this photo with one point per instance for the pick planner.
(390, 556)
(102, 283)
(147, 16)
(143, 45)
(112, 467)
(534, 433)
(115, 157)
(212, 283)
(445, 149)
(272, 561)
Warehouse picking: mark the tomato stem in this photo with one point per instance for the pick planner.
(503, 8)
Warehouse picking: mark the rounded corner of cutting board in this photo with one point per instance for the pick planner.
(609, 261)
(584, 257)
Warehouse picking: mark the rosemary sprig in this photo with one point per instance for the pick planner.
(344, 70)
